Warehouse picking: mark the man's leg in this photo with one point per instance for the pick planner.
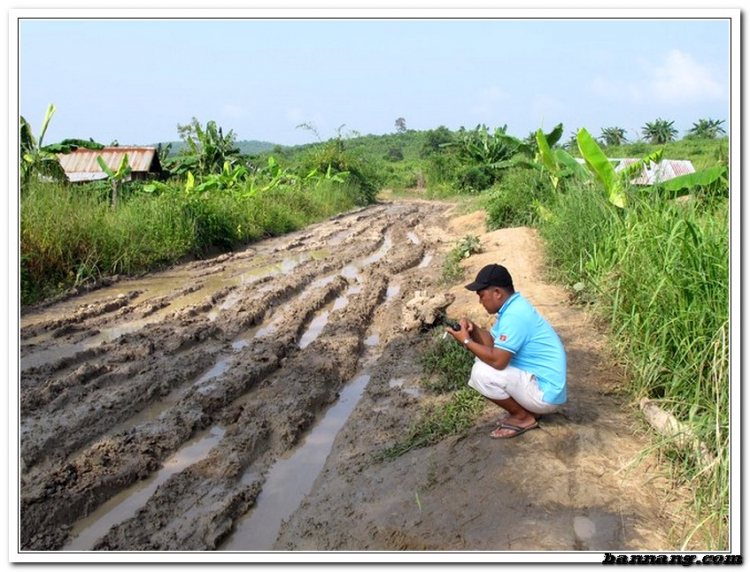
(509, 389)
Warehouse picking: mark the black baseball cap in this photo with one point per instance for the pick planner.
(491, 275)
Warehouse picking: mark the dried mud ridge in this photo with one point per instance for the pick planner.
(114, 382)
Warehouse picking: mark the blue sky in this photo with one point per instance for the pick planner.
(133, 80)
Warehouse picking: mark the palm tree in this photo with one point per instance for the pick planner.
(706, 129)
(613, 136)
(660, 131)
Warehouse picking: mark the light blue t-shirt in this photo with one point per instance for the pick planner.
(536, 347)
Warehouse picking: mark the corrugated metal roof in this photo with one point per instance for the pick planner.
(81, 164)
(658, 172)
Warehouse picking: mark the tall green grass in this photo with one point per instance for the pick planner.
(658, 274)
(70, 236)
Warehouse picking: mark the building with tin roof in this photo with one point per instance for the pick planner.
(81, 165)
(657, 172)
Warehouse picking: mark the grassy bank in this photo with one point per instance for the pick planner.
(70, 236)
(657, 274)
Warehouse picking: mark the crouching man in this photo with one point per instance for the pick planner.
(520, 363)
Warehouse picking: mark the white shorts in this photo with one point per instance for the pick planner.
(510, 382)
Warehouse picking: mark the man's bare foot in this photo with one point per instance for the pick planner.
(506, 417)
(510, 429)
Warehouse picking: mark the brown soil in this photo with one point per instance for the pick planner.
(118, 382)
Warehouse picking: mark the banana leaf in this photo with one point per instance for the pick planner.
(569, 164)
(76, 143)
(47, 117)
(601, 167)
(554, 135)
(110, 173)
(545, 153)
(703, 178)
(635, 169)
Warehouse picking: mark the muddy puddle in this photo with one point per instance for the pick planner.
(125, 504)
(292, 476)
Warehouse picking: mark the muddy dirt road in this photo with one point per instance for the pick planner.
(234, 404)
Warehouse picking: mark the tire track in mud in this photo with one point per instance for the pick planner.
(98, 421)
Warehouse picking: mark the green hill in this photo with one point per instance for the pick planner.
(245, 147)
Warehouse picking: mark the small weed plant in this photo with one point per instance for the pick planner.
(452, 269)
(438, 420)
(447, 366)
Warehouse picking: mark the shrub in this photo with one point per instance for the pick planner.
(333, 157)
(512, 202)
(394, 154)
(475, 178)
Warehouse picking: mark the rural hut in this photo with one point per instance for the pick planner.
(81, 165)
(657, 172)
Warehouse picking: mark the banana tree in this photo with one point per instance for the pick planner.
(557, 162)
(603, 170)
(659, 131)
(613, 136)
(601, 167)
(116, 178)
(37, 158)
(43, 160)
(706, 129)
(212, 148)
(230, 178)
(492, 150)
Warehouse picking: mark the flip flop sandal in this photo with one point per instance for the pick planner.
(502, 419)
(515, 428)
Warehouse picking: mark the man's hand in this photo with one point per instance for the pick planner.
(462, 330)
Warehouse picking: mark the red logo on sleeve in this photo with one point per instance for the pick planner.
(503, 337)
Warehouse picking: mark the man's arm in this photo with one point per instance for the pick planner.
(482, 345)
(479, 335)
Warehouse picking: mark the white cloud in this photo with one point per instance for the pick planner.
(681, 78)
(676, 79)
